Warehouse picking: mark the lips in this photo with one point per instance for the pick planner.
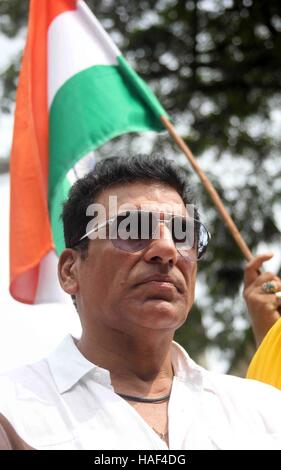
(164, 279)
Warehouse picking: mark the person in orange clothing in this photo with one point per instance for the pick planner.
(263, 298)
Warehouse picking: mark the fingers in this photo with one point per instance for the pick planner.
(267, 277)
(262, 304)
(252, 268)
(278, 299)
(263, 310)
(256, 287)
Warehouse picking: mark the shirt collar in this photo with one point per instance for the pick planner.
(185, 369)
(68, 366)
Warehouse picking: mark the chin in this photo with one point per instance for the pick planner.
(158, 313)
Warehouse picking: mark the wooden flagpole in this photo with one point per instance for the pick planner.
(210, 188)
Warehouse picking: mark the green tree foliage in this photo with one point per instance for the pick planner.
(215, 65)
(13, 18)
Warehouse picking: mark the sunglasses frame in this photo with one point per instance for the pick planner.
(149, 240)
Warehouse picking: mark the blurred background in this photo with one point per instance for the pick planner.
(215, 66)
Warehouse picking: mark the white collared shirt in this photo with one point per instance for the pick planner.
(67, 402)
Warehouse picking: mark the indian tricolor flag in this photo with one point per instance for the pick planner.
(76, 91)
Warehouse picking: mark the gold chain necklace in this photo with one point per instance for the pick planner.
(162, 435)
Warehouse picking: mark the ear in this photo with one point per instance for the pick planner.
(67, 271)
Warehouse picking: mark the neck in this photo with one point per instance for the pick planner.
(139, 365)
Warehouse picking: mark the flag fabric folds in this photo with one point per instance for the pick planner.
(76, 91)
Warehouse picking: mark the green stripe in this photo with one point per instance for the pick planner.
(91, 108)
(141, 87)
(56, 222)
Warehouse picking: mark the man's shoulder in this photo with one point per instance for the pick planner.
(26, 380)
(23, 372)
(23, 391)
(37, 374)
(228, 380)
(217, 381)
(242, 391)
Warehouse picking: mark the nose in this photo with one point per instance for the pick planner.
(162, 249)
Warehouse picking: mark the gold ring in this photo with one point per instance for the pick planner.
(269, 287)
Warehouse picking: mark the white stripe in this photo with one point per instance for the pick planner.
(48, 288)
(76, 41)
(82, 167)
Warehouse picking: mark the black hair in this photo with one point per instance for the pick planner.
(117, 171)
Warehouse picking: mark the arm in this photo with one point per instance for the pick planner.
(262, 307)
(9, 439)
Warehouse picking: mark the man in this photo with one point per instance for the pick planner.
(124, 384)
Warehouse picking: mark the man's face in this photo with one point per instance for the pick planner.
(117, 288)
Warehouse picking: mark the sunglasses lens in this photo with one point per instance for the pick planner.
(132, 231)
(179, 230)
(190, 237)
(202, 240)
